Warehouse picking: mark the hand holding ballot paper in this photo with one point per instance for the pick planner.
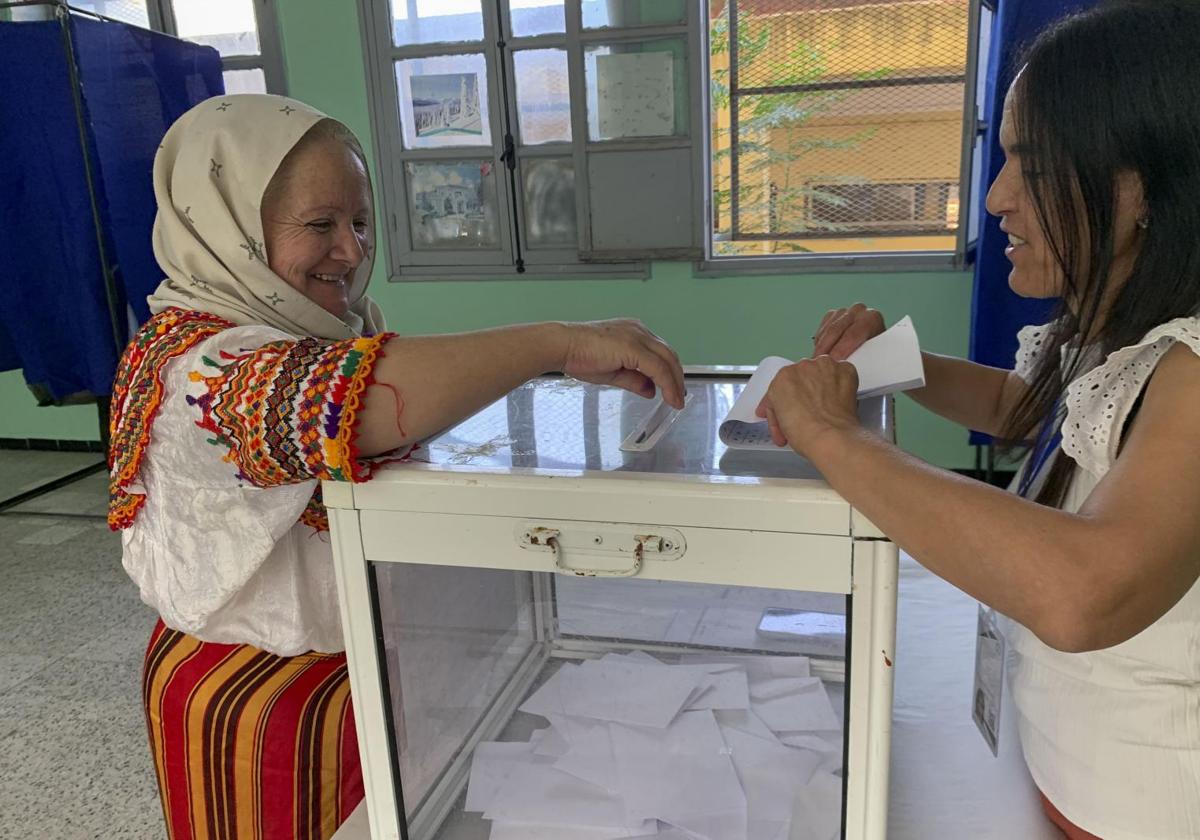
(814, 393)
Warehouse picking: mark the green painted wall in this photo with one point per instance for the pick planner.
(20, 416)
(710, 320)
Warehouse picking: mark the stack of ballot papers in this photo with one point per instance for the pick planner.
(711, 748)
(887, 364)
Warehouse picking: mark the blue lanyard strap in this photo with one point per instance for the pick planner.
(1045, 447)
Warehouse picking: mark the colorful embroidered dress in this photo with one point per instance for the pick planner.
(222, 428)
(221, 435)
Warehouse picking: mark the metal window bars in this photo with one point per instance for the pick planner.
(826, 111)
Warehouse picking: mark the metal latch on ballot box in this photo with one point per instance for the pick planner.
(594, 541)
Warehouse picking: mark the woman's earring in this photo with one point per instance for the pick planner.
(1143, 221)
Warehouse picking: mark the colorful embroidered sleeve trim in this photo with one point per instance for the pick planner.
(137, 394)
(315, 515)
(287, 411)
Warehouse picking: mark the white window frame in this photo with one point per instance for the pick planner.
(270, 50)
(980, 16)
(160, 16)
(513, 258)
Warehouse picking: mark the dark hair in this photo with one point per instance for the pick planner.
(1106, 92)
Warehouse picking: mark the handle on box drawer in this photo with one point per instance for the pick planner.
(586, 572)
(537, 536)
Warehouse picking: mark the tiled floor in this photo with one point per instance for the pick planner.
(87, 495)
(22, 470)
(74, 762)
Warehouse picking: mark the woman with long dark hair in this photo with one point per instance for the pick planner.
(1095, 555)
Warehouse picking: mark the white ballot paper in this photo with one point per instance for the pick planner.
(491, 766)
(710, 748)
(888, 363)
(626, 692)
(793, 704)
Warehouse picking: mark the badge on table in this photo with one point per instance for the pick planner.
(989, 677)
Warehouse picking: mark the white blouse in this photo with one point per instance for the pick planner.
(230, 544)
(1112, 737)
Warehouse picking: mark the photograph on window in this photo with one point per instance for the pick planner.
(452, 204)
(636, 89)
(636, 96)
(443, 101)
(446, 103)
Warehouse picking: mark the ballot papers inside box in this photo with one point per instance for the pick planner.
(550, 636)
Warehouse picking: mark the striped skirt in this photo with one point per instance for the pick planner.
(248, 745)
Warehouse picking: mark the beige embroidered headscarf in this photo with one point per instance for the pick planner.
(209, 178)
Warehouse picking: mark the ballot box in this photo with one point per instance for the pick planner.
(578, 614)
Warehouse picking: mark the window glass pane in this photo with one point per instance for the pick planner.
(227, 25)
(536, 17)
(636, 89)
(975, 214)
(612, 13)
(245, 81)
(986, 19)
(443, 101)
(543, 98)
(549, 188)
(452, 204)
(911, 207)
(848, 135)
(431, 21)
(466, 651)
(130, 11)
(979, 178)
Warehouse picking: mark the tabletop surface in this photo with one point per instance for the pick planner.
(561, 424)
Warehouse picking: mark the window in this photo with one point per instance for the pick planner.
(902, 209)
(837, 127)
(536, 136)
(244, 32)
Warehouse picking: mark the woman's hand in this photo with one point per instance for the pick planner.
(842, 331)
(623, 353)
(808, 400)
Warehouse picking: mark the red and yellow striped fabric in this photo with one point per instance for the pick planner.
(248, 745)
(1068, 828)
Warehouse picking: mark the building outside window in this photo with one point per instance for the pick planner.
(837, 126)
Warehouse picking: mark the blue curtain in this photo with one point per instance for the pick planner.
(136, 84)
(54, 309)
(53, 304)
(9, 359)
(997, 313)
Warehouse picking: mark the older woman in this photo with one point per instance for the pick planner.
(264, 370)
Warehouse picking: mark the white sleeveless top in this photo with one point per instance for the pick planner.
(1112, 737)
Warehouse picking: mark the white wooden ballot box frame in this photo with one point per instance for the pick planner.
(737, 533)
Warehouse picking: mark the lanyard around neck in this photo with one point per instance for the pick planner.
(1048, 441)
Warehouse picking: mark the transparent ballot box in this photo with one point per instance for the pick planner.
(579, 615)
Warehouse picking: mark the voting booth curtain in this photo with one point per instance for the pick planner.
(81, 101)
(997, 313)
